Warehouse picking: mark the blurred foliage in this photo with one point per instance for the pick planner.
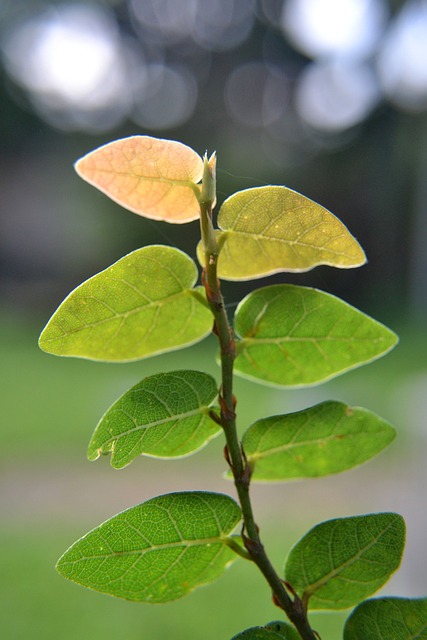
(49, 410)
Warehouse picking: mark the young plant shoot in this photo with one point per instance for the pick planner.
(152, 301)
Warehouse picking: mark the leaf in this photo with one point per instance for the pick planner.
(157, 551)
(297, 336)
(388, 619)
(141, 305)
(327, 438)
(272, 631)
(166, 415)
(340, 562)
(261, 633)
(152, 177)
(271, 229)
(283, 629)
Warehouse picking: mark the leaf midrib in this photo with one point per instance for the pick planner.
(312, 588)
(254, 341)
(264, 238)
(190, 184)
(123, 315)
(159, 547)
(265, 454)
(156, 423)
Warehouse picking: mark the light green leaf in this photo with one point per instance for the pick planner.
(327, 438)
(271, 229)
(297, 336)
(339, 563)
(157, 551)
(142, 305)
(166, 416)
(388, 619)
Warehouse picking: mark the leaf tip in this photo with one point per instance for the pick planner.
(81, 166)
(94, 453)
(44, 340)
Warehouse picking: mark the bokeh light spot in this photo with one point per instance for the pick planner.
(402, 66)
(166, 99)
(214, 26)
(256, 94)
(71, 61)
(336, 95)
(334, 27)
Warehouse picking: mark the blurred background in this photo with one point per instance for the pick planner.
(328, 97)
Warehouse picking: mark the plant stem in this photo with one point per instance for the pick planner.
(234, 454)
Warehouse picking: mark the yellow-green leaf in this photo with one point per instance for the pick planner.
(143, 304)
(296, 336)
(271, 229)
(152, 177)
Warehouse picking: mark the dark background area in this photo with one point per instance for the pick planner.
(282, 101)
(327, 97)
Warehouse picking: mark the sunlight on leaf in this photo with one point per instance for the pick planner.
(157, 551)
(339, 563)
(297, 336)
(388, 619)
(152, 177)
(328, 438)
(143, 304)
(271, 229)
(165, 416)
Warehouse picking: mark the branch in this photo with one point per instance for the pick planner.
(234, 453)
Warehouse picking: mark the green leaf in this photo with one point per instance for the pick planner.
(340, 562)
(283, 629)
(388, 619)
(261, 633)
(272, 631)
(297, 336)
(166, 416)
(157, 551)
(271, 229)
(327, 438)
(142, 305)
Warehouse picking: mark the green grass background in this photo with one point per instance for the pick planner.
(51, 495)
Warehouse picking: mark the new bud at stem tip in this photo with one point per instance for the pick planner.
(208, 192)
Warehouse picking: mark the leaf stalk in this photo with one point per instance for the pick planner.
(234, 453)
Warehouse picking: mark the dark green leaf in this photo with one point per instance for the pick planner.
(165, 415)
(388, 619)
(271, 229)
(157, 551)
(296, 336)
(339, 563)
(272, 631)
(141, 305)
(283, 629)
(327, 438)
(259, 633)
